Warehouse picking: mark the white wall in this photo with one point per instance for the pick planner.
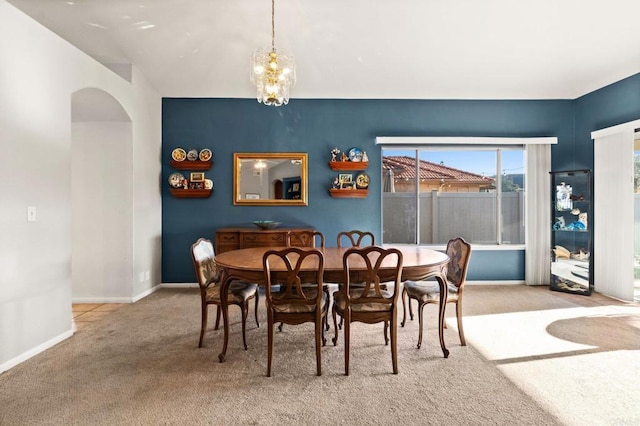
(102, 212)
(38, 73)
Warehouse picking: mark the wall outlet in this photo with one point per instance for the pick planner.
(147, 275)
(31, 214)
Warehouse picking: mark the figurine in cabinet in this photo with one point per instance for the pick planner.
(344, 157)
(185, 184)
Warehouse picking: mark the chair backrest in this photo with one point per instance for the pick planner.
(290, 268)
(203, 257)
(356, 238)
(374, 268)
(305, 239)
(459, 251)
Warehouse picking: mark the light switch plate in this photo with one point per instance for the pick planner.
(31, 214)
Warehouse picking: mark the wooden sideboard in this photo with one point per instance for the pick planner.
(234, 238)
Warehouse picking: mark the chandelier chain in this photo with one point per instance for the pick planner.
(273, 25)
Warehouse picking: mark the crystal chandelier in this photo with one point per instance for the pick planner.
(273, 73)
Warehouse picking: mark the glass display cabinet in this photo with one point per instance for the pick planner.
(571, 234)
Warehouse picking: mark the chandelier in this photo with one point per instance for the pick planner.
(273, 73)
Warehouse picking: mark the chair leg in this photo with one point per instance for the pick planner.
(269, 342)
(325, 324)
(394, 344)
(410, 309)
(319, 332)
(347, 342)
(386, 336)
(420, 322)
(203, 325)
(280, 327)
(335, 327)
(218, 315)
(459, 315)
(404, 307)
(245, 313)
(256, 308)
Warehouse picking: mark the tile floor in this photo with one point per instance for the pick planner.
(86, 313)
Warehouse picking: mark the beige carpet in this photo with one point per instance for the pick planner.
(141, 366)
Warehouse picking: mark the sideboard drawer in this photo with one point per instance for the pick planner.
(234, 238)
(226, 241)
(261, 239)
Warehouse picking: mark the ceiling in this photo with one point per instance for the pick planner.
(381, 49)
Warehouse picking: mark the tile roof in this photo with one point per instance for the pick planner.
(404, 168)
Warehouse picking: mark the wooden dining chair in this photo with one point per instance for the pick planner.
(305, 238)
(426, 292)
(209, 280)
(355, 238)
(296, 303)
(372, 303)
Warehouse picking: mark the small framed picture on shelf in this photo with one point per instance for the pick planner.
(197, 177)
(249, 196)
(345, 178)
(348, 185)
(196, 185)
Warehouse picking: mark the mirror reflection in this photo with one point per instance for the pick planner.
(270, 179)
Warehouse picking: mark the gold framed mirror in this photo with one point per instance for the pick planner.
(270, 179)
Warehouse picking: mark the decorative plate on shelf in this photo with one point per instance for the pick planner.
(192, 155)
(178, 154)
(362, 181)
(355, 154)
(205, 155)
(175, 180)
(208, 184)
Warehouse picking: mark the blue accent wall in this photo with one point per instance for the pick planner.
(611, 105)
(315, 126)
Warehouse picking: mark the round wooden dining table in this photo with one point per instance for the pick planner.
(419, 263)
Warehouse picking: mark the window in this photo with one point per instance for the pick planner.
(431, 194)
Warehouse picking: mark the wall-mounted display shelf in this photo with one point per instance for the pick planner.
(348, 165)
(348, 193)
(191, 165)
(190, 193)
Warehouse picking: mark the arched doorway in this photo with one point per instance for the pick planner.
(101, 198)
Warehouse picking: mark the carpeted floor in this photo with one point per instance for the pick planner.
(142, 366)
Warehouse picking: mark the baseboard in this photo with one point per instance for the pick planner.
(179, 285)
(133, 299)
(35, 351)
(145, 293)
(505, 282)
(101, 300)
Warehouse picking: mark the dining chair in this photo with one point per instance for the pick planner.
(305, 238)
(371, 303)
(355, 238)
(209, 280)
(296, 303)
(426, 292)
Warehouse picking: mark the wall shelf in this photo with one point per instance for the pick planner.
(348, 193)
(190, 193)
(348, 165)
(191, 165)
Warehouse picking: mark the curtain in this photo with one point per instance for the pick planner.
(538, 220)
